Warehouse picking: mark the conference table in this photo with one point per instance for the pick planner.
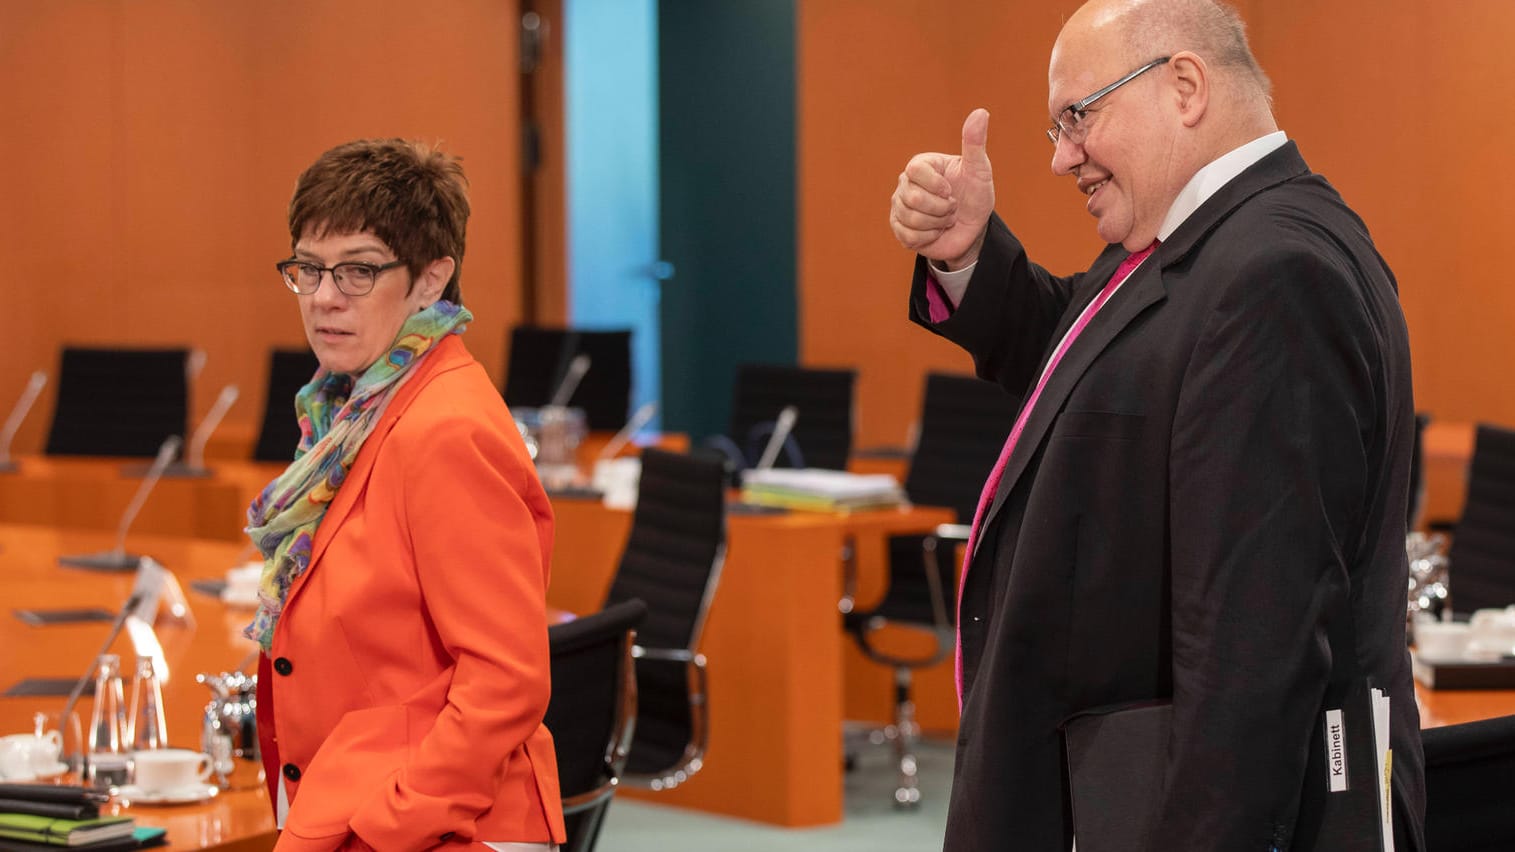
(773, 637)
(235, 820)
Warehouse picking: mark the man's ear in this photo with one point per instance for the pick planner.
(1191, 86)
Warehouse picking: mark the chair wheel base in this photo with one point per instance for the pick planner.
(907, 798)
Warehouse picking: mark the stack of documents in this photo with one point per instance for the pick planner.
(44, 816)
(32, 830)
(1384, 767)
(1464, 673)
(1359, 813)
(821, 490)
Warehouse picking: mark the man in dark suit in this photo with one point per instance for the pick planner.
(1204, 498)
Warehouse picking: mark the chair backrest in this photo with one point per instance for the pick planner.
(1482, 555)
(964, 423)
(539, 359)
(823, 398)
(1470, 771)
(1417, 472)
(592, 712)
(119, 402)
(673, 562)
(673, 555)
(288, 371)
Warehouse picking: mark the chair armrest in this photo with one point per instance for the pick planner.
(678, 655)
(953, 532)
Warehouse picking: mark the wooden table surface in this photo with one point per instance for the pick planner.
(773, 640)
(234, 820)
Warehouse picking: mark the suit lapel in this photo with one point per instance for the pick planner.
(1089, 286)
(1144, 289)
(442, 358)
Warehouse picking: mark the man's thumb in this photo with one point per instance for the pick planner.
(975, 138)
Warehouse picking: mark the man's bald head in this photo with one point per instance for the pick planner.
(1145, 29)
(1197, 93)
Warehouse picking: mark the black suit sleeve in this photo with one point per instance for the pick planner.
(1008, 313)
(1268, 470)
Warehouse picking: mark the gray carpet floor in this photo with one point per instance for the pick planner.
(871, 822)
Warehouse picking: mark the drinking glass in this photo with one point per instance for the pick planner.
(146, 726)
(106, 764)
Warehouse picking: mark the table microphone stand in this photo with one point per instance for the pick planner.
(117, 559)
(13, 422)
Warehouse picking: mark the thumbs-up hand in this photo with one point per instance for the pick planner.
(942, 202)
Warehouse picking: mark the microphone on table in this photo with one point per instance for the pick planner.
(576, 370)
(193, 465)
(782, 426)
(781, 429)
(117, 559)
(23, 407)
(638, 419)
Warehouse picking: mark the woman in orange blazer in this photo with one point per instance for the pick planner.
(402, 611)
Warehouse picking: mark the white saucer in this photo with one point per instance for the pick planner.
(131, 794)
(240, 601)
(53, 771)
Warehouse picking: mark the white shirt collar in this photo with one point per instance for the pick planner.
(1217, 174)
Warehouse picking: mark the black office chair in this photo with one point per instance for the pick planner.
(288, 371)
(1470, 776)
(822, 435)
(1481, 570)
(539, 359)
(120, 402)
(964, 422)
(672, 560)
(1417, 499)
(592, 713)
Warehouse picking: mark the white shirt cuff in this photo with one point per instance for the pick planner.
(954, 283)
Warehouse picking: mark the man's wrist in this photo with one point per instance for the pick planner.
(967, 258)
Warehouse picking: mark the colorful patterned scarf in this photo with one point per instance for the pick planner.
(336, 417)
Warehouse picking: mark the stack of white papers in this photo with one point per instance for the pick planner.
(1385, 767)
(821, 490)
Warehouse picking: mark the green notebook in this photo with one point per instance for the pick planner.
(63, 832)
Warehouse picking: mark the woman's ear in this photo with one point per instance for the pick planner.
(433, 280)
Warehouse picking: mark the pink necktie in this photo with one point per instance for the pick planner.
(991, 485)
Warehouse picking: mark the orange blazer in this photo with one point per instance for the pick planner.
(403, 698)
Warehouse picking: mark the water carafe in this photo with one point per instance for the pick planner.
(146, 727)
(229, 730)
(106, 762)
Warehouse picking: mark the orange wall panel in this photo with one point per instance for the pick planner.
(152, 146)
(1400, 104)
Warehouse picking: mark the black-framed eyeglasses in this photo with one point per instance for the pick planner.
(1070, 122)
(353, 278)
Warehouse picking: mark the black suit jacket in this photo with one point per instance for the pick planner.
(1218, 467)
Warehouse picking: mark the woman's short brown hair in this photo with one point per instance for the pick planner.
(408, 194)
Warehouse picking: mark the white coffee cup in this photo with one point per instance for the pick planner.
(242, 584)
(617, 480)
(1442, 640)
(15, 764)
(1494, 630)
(29, 754)
(163, 770)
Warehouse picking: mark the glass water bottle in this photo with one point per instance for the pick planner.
(146, 726)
